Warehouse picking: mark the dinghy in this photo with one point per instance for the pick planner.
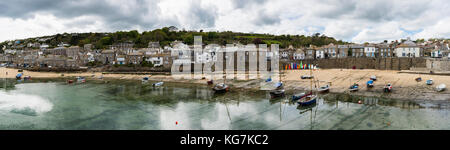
(430, 82)
(374, 78)
(306, 77)
(19, 76)
(370, 83)
(388, 88)
(278, 91)
(440, 87)
(298, 96)
(325, 88)
(158, 84)
(81, 79)
(353, 87)
(418, 79)
(220, 88)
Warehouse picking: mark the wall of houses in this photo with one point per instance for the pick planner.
(366, 63)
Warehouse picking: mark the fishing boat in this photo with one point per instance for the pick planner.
(81, 79)
(374, 78)
(19, 76)
(158, 84)
(298, 96)
(221, 88)
(69, 81)
(440, 87)
(430, 82)
(210, 82)
(278, 91)
(306, 77)
(145, 79)
(418, 79)
(388, 88)
(269, 80)
(311, 98)
(353, 87)
(27, 78)
(325, 88)
(370, 83)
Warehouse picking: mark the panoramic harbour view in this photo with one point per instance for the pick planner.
(225, 74)
(52, 104)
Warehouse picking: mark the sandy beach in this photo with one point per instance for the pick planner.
(404, 84)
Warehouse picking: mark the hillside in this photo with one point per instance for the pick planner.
(165, 36)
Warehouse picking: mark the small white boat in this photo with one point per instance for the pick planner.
(81, 79)
(440, 87)
(306, 77)
(325, 88)
(158, 84)
(374, 78)
(430, 82)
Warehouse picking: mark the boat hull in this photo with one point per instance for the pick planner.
(307, 103)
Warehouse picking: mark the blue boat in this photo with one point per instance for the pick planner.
(370, 83)
(269, 80)
(19, 76)
(354, 87)
(308, 100)
(298, 96)
(430, 82)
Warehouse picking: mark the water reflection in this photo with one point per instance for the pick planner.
(133, 105)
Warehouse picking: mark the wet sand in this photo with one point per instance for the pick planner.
(404, 84)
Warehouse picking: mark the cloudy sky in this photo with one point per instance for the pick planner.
(349, 20)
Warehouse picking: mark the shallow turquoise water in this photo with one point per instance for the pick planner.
(127, 105)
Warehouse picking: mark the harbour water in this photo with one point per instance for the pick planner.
(126, 105)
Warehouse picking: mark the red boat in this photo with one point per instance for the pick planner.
(69, 81)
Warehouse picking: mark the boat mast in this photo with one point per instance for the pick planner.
(310, 75)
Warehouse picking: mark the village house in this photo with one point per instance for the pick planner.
(385, 50)
(408, 49)
(122, 48)
(134, 58)
(310, 53)
(370, 50)
(356, 50)
(108, 56)
(299, 54)
(320, 53)
(120, 60)
(73, 52)
(330, 51)
(342, 51)
(440, 50)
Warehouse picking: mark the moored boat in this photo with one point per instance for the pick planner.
(308, 100)
(370, 83)
(418, 79)
(221, 88)
(81, 79)
(374, 78)
(430, 82)
(298, 96)
(69, 81)
(210, 82)
(27, 78)
(306, 77)
(278, 91)
(325, 88)
(158, 84)
(440, 87)
(19, 76)
(353, 87)
(145, 79)
(388, 88)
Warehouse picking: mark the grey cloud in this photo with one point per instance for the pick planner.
(247, 3)
(203, 16)
(264, 18)
(110, 14)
